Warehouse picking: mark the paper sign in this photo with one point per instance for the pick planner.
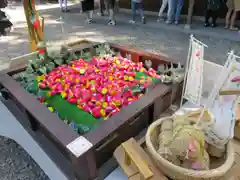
(228, 103)
(193, 88)
(224, 107)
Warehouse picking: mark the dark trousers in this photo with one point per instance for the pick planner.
(137, 6)
(209, 13)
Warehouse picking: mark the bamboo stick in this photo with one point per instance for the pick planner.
(229, 92)
(35, 35)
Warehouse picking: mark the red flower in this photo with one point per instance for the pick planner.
(42, 51)
(236, 79)
(42, 99)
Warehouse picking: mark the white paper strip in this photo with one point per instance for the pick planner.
(193, 88)
(223, 107)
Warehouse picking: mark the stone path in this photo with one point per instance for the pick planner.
(14, 162)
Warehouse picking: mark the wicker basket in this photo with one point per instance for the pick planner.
(178, 173)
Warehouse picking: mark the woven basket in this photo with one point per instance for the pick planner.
(178, 173)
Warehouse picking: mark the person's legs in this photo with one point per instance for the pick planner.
(179, 7)
(89, 16)
(233, 18)
(60, 3)
(214, 17)
(100, 8)
(116, 7)
(207, 17)
(65, 4)
(227, 18)
(87, 8)
(170, 11)
(134, 9)
(111, 4)
(140, 8)
(106, 5)
(111, 17)
(163, 7)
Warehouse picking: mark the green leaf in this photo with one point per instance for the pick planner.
(88, 59)
(30, 69)
(40, 93)
(64, 50)
(43, 70)
(32, 88)
(30, 77)
(136, 90)
(59, 61)
(37, 63)
(18, 77)
(69, 60)
(73, 56)
(50, 66)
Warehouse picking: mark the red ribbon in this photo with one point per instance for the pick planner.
(36, 24)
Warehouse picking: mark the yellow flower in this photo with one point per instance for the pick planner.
(103, 112)
(104, 90)
(104, 104)
(51, 109)
(125, 78)
(40, 78)
(82, 71)
(130, 78)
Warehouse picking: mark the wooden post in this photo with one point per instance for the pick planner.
(190, 14)
(35, 35)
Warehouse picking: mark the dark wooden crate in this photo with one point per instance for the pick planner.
(129, 122)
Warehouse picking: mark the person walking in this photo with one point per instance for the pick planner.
(169, 4)
(233, 8)
(88, 7)
(137, 5)
(103, 7)
(63, 5)
(178, 5)
(212, 12)
(110, 6)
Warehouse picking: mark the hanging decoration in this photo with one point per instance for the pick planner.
(42, 51)
(34, 20)
(194, 74)
(35, 24)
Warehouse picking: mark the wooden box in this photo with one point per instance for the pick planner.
(80, 157)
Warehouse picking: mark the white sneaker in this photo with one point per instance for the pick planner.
(111, 22)
(176, 22)
(168, 22)
(89, 21)
(132, 22)
(100, 14)
(160, 18)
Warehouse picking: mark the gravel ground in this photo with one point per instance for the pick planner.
(15, 164)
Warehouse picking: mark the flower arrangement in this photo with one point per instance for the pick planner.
(82, 89)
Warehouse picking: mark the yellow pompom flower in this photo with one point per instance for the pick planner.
(40, 78)
(51, 109)
(104, 91)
